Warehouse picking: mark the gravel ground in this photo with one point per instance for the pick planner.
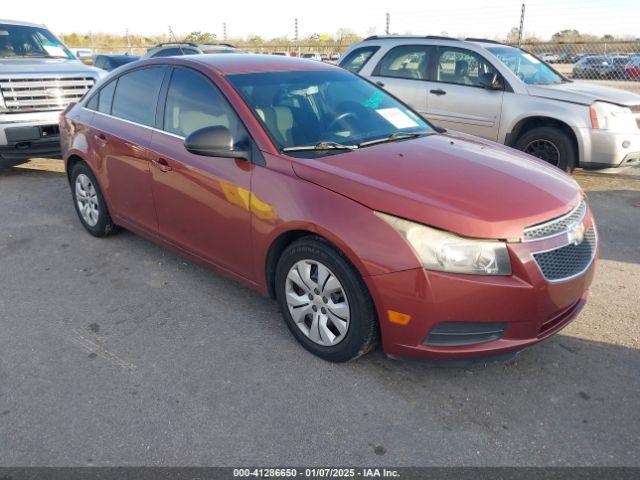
(118, 352)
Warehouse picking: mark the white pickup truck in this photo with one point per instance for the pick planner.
(39, 77)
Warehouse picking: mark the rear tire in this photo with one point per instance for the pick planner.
(550, 144)
(330, 291)
(89, 202)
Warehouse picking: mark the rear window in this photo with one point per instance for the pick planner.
(136, 95)
(357, 59)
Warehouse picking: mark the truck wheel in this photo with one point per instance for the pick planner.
(551, 145)
(89, 202)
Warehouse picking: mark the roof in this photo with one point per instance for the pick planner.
(232, 63)
(20, 23)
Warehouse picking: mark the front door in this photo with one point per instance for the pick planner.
(458, 95)
(202, 202)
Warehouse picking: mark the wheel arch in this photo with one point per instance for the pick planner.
(529, 123)
(286, 238)
(72, 161)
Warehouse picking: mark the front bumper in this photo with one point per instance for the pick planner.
(528, 307)
(24, 136)
(605, 149)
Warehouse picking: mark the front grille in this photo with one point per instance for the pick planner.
(40, 94)
(569, 261)
(558, 225)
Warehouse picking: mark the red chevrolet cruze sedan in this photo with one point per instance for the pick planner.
(314, 186)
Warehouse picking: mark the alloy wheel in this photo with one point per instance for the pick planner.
(544, 150)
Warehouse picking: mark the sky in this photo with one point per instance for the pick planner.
(268, 19)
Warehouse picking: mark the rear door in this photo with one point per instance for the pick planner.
(402, 71)
(458, 97)
(203, 203)
(125, 114)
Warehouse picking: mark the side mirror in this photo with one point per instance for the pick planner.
(215, 141)
(495, 83)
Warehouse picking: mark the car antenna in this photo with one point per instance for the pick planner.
(171, 34)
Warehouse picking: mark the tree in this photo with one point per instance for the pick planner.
(513, 35)
(200, 37)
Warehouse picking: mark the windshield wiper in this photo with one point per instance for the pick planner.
(321, 146)
(393, 137)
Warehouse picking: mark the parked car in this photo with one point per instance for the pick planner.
(311, 56)
(507, 95)
(632, 68)
(39, 76)
(616, 68)
(591, 67)
(111, 62)
(85, 55)
(173, 49)
(549, 57)
(316, 187)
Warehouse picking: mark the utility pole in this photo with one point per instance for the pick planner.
(296, 37)
(520, 32)
(126, 32)
(224, 31)
(388, 23)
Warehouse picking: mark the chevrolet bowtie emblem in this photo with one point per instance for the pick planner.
(576, 234)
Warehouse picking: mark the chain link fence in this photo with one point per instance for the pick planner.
(615, 63)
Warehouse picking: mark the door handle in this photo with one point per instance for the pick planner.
(161, 164)
(101, 139)
(438, 92)
(379, 83)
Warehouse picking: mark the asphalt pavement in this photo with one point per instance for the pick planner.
(118, 352)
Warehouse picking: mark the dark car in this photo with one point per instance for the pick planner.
(600, 66)
(111, 62)
(312, 185)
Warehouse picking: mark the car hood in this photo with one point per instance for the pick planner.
(10, 67)
(454, 182)
(585, 93)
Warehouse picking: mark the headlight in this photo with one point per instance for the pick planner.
(446, 252)
(608, 116)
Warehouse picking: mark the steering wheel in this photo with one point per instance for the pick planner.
(341, 118)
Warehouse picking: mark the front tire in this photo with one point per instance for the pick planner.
(324, 301)
(89, 202)
(550, 144)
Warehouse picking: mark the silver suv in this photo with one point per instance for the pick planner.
(505, 94)
(175, 49)
(39, 77)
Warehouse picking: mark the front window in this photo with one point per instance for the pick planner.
(324, 107)
(527, 67)
(19, 41)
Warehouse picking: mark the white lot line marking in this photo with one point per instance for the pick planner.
(99, 350)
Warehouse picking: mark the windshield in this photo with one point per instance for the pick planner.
(527, 67)
(19, 41)
(306, 108)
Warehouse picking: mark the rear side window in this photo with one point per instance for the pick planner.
(193, 102)
(358, 58)
(136, 95)
(406, 61)
(106, 97)
(463, 67)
